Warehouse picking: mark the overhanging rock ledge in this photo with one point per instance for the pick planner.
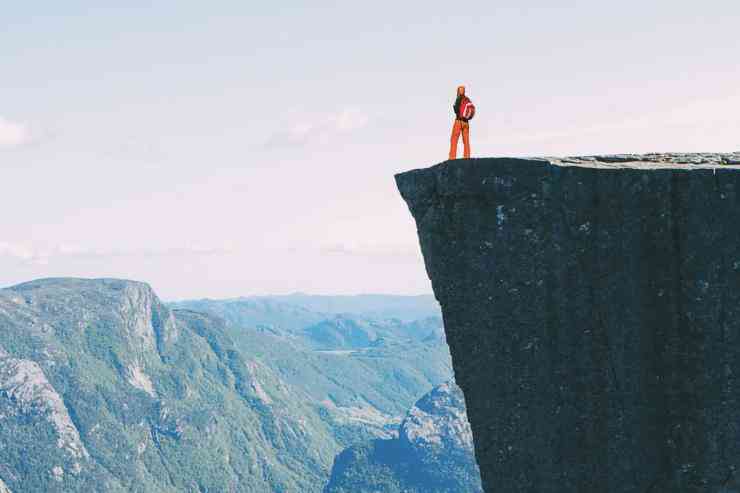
(592, 307)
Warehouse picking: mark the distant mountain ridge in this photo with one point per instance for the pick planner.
(349, 332)
(402, 307)
(412, 317)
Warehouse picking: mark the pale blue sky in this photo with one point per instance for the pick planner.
(226, 148)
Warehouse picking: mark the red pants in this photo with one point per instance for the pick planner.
(460, 127)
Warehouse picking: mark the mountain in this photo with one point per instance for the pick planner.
(103, 388)
(362, 374)
(433, 453)
(342, 332)
(330, 330)
(256, 312)
(351, 332)
(376, 306)
(297, 310)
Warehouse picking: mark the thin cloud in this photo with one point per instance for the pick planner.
(348, 120)
(13, 134)
(42, 256)
(318, 131)
(18, 251)
(386, 250)
(143, 150)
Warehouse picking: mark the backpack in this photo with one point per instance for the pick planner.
(467, 109)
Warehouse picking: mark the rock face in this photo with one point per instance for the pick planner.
(437, 424)
(592, 307)
(432, 454)
(26, 386)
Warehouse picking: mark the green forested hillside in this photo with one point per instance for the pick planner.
(360, 388)
(104, 388)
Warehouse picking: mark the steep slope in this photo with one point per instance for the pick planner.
(102, 388)
(361, 392)
(432, 454)
(593, 314)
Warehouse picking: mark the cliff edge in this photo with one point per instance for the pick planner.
(592, 308)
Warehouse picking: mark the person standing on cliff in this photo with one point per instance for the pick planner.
(464, 112)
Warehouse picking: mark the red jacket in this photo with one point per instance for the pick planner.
(460, 102)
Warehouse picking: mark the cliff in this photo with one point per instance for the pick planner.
(593, 314)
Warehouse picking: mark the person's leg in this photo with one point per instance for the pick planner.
(453, 140)
(466, 139)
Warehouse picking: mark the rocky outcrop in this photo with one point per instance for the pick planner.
(437, 424)
(29, 392)
(433, 453)
(593, 314)
(4, 488)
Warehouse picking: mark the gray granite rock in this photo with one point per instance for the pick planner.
(593, 313)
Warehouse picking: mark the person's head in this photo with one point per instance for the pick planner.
(461, 90)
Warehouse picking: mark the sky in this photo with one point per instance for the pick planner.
(230, 148)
